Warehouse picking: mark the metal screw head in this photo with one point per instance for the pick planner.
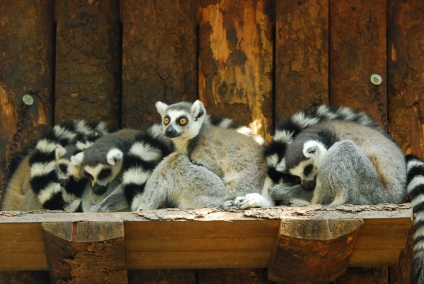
(28, 100)
(376, 79)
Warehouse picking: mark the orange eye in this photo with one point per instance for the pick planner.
(166, 120)
(183, 121)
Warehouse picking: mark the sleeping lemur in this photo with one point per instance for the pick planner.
(210, 164)
(35, 184)
(341, 162)
(285, 132)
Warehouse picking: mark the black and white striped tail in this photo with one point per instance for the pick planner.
(288, 129)
(145, 154)
(43, 176)
(415, 188)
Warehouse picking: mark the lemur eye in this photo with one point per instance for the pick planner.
(166, 120)
(183, 121)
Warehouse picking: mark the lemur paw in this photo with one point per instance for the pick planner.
(252, 200)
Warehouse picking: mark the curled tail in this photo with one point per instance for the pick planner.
(415, 188)
(44, 180)
(148, 150)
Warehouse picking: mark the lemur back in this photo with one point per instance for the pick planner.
(285, 132)
(225, 158)
(347, 163)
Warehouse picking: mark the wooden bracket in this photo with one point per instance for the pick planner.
(313, 251)
(85, 252)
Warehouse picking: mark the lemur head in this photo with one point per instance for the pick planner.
(304, 160)
(181, 120)
(100, 170)
(64, 168)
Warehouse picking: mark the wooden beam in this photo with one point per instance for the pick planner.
(318, 250)
(81, 252)
(203, 238)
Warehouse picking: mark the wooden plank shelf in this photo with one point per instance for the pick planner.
(318, 236)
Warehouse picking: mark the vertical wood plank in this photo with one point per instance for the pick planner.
(358, 50)
(301, 56)
(26, 51)
(88, 61)
(406, 61)
(159, 57)
(235, 60)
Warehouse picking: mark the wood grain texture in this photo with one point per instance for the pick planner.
(406, 102)
(88, 61)
(235, 61)
(301, 56)
(322, 246)
(85, 252)
(159, 57)
(26, 49)
(358, 50)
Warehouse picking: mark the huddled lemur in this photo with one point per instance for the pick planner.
(209, 166)
(120, 164)
(39, 181)
(324, 154)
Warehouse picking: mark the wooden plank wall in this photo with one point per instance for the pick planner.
(252, 60)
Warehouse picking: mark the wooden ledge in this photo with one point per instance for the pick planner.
(209, 238)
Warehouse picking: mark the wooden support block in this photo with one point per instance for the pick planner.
(313, 250)
(85, 252)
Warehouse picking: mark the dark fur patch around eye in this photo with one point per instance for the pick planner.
(63, 168)
(308, 170)
(88, 175)
(183, 117)
(104, 174)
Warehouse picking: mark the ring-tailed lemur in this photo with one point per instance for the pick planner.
(285, 132)
(210, 165)
(36, 180)
(138, 162)
(341, 162)
(415, 188)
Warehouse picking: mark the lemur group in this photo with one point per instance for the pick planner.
(321, 155)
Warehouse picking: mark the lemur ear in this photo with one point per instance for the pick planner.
(114, 156)
(197, 110)
(59, 152)
(311, 149)
(161, 108)
(77, 159)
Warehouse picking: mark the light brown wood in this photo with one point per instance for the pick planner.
(235, 61)
(201, 238)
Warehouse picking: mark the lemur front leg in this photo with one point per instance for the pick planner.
(295, 195)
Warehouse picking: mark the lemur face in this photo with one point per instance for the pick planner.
(181, 120)
(101, 174)
(310, 160)
(64, 168)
